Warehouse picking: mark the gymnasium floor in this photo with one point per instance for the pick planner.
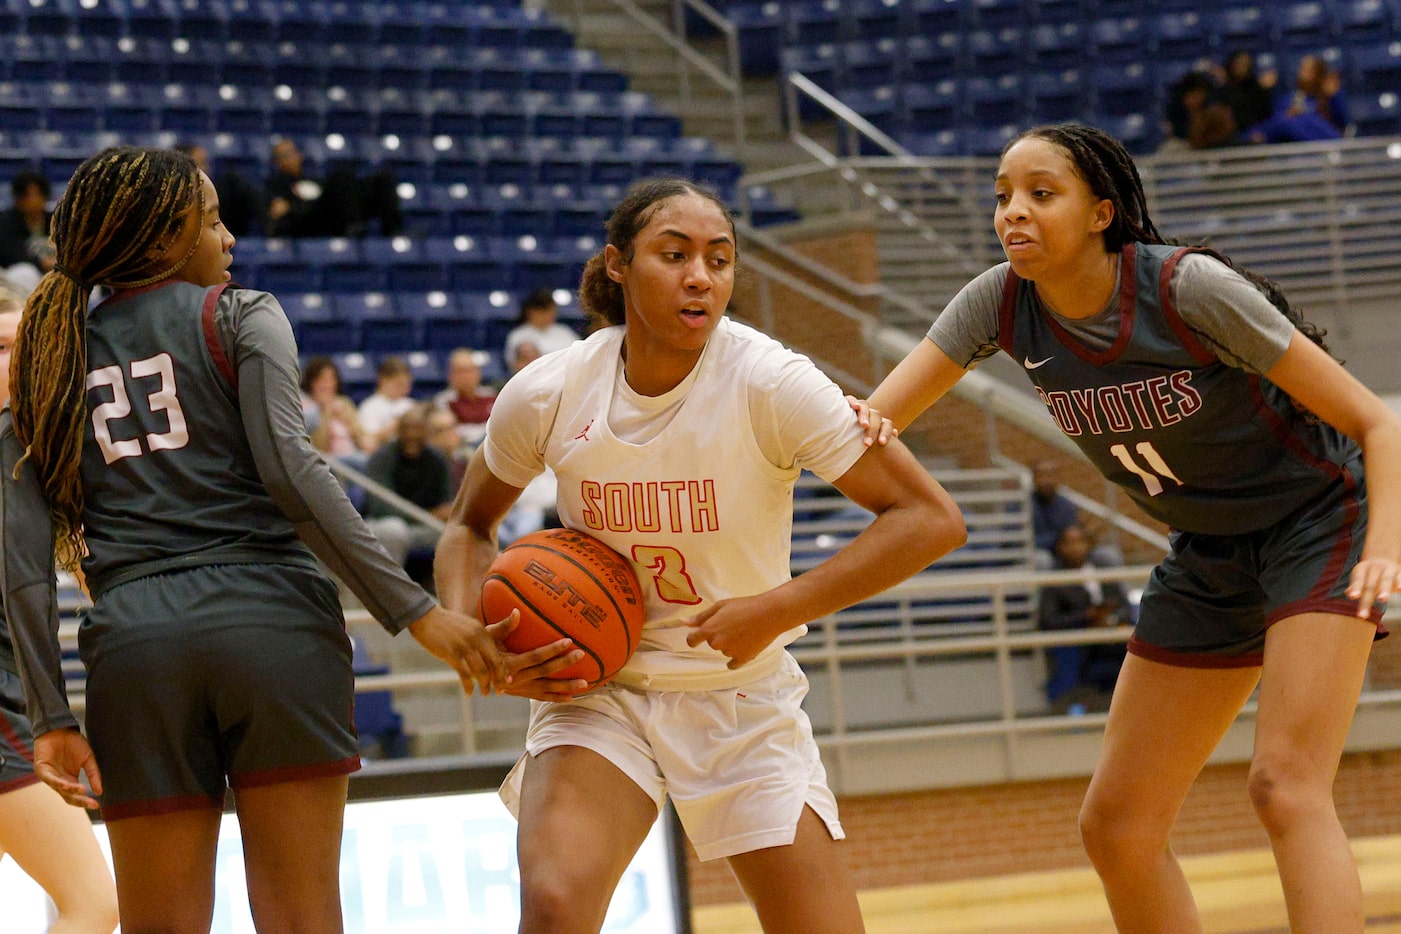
(1238, 893)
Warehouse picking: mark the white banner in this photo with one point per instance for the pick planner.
(409, 866)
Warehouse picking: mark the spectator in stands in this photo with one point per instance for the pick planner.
(539, 326)
(1316, 110)
(444, 436)
(240, 202)
(412, 469)
(331, 420)
(1198, 115)
(381, 410)
(465, 397)
(1081, 675)
(1051, 512)
(344, 206)
(26, 252)
(1249, 95)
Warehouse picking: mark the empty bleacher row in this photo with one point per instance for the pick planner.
(481, 22)
(950, 77)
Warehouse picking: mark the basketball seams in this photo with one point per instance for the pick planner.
(603, 587)
(525, 603)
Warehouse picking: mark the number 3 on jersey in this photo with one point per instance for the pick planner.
(668, 567)
(162, 399)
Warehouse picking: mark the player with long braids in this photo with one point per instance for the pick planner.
(1197, 389)
(162, 433)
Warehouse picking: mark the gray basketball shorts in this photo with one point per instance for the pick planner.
(1211, 601)
(16, 741)
(236, 674)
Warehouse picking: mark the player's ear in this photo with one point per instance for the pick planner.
(613, 262)
(1102, 216)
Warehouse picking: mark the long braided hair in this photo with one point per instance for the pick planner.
(1106, 166)
(123, 211)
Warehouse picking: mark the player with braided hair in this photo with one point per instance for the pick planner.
(1196, 388)
(161, 435)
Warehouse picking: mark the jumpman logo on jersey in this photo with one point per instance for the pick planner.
(585, 433)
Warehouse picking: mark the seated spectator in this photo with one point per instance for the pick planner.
(1051, 512)
(1198, 115)
(410, 468)
(380, 411)
(1316, 110)
(1250, 96)
(1081, 675)
(525, 354)
(538, 325)
(331, 419)
(240, 202)
(444, 435)
(26, 252)
(344, 206)
(466, 398)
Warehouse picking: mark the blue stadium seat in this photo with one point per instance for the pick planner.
(1123, 89)
(1056, 95)
(20, 107)
(996, 14)
(1242, 27)
(30, 58)
(932, 107)
(1180, 35)
(357, 371)
(49, 17)
(1363, 20)
(469, 266)
(926, 56)
(301, 306)
(207, 19)
(1377, 114)
(991, 52)
(1132, 130)
(423, 306)
(88, 59)
(872, 62)
(931, 17)
(1377, 67)
(879, 105)
(762, 29)
(1058, 11)
(252, 20)
(824, 63)
(815, 21)
(995, 100)
(1056, 45)
(873, 19)
(1304, 26)
(1119, 39)
(330, 334)
(987, 141)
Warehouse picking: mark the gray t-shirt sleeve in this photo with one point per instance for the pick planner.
(966, 330)
(257, 339)
(1231, 317)
(31, 602)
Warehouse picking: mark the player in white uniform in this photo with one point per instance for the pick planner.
(677, 436)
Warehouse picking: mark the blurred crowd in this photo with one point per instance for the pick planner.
(1236, 103)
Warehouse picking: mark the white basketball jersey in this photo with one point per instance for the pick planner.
(698, 509)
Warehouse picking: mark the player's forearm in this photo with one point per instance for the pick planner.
(1381, 452)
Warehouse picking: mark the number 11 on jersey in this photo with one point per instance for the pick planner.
(1152, 481)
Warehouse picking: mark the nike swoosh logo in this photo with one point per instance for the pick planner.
(1031, 366)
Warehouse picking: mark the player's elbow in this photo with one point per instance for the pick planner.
(943, 524)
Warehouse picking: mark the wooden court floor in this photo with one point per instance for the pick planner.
(1238, 893)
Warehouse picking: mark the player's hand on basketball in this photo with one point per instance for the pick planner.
(60, 759)
(466, 645)
(530, 671)
(1373, 582)
(730, 627)
(878, 428)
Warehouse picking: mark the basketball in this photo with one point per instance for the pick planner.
(567, 584)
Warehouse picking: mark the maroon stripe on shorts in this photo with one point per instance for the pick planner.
(294, 773)
(1164, 656)
(158, 806)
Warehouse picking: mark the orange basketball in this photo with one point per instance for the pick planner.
(567, 584)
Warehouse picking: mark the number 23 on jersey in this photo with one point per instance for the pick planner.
(162, 399)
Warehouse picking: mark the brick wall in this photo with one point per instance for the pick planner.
(962, 833)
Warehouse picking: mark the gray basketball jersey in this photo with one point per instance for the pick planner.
(168, 477)
(1200, 445)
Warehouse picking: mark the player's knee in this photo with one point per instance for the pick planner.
(1116, 837)
(95, 914)
(555, 906)
(1283, 793)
